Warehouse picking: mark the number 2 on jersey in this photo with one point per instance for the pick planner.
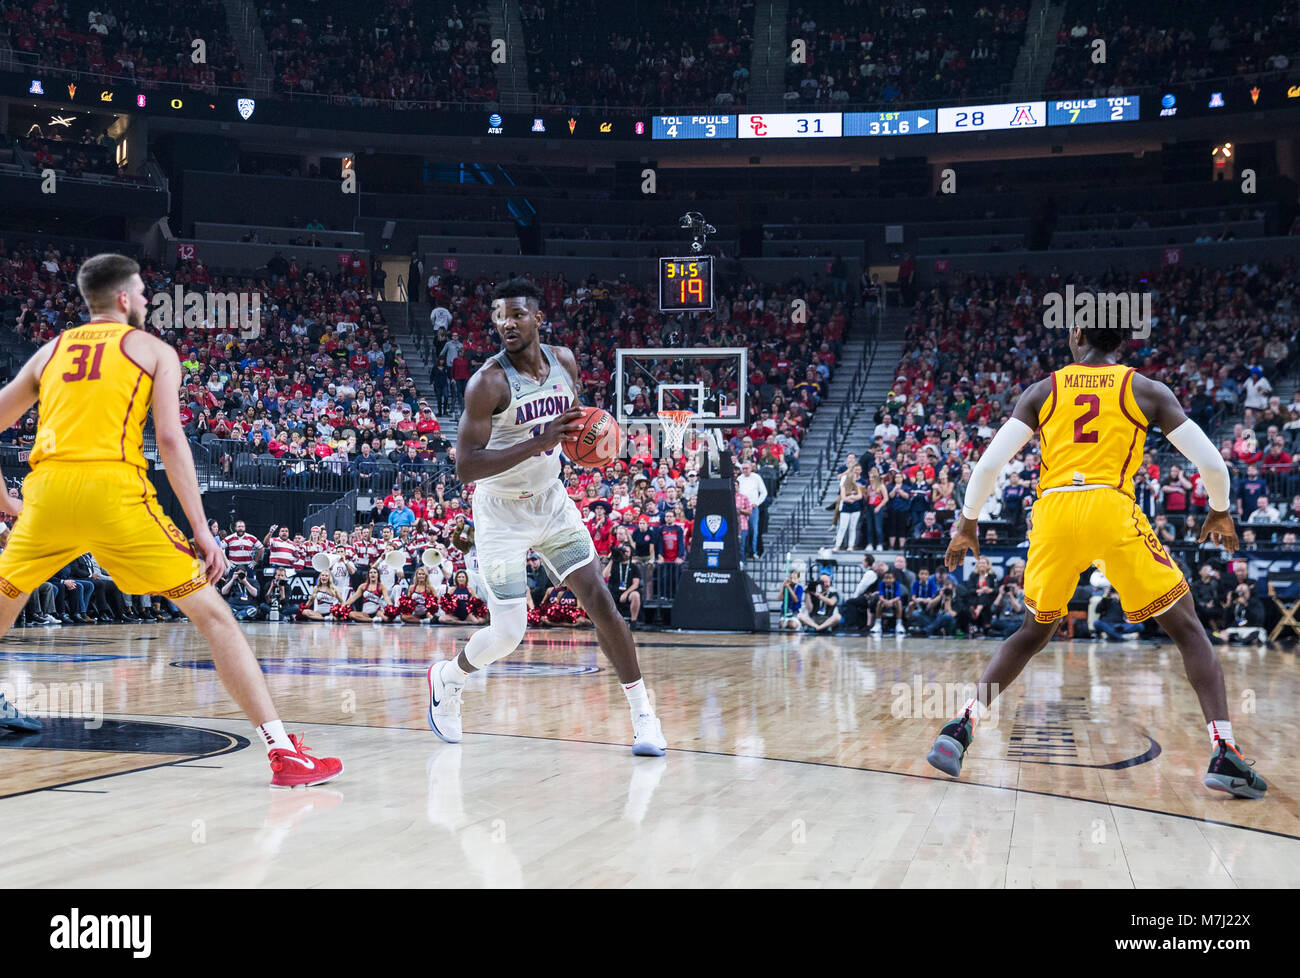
(1093, 403)
(82, 350)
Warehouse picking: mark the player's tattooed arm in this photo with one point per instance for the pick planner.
(486, 394)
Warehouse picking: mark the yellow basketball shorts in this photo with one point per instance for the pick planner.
(108, 510)
(1074, 530)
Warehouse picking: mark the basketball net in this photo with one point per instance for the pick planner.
(676, 424)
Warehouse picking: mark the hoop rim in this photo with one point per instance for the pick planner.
(675, 416)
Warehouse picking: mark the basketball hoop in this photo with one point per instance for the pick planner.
(675, 425)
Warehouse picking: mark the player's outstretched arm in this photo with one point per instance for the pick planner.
(1163, 411)
(484, 396)
(1009, 440)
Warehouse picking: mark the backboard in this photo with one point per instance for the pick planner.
(710, 381)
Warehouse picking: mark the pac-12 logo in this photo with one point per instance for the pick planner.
(715, 528)
(245, 107)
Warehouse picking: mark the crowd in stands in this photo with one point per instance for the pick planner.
(147, 41)
(1164, 43)
(637, 55)
(404, 50)
(903, 51)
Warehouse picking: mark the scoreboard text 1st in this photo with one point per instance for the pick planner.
(686, 284)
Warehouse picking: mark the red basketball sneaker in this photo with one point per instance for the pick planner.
(298, 769)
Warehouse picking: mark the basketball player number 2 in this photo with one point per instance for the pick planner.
(82, 350)
(1093, 403)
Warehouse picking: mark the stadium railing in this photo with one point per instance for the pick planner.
(769, 569)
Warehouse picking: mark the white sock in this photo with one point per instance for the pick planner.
(637, 697)
(1220, 730)
(453, 673)
(274, 737)
(976, 710)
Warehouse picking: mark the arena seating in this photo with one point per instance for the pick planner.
(145, 40)
(678, 52)
(900, 52)
(425, 50)
(1164, 43)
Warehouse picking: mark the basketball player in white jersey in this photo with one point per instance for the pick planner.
(519, 406)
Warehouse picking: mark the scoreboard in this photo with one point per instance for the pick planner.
(1028, 114)
(1082, 111)
(686, 284)
(694, 127)
(901, 123)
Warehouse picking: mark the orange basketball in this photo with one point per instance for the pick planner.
(596, 445)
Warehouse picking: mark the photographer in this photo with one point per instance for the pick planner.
(1008, 610)
(939, 613)
(241, 594)
(1245, 616)
(624, 577)
(822, 614)
(1110, 617)
(277, 599)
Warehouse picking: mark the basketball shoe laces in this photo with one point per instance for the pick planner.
(451, 696)
(1224, 747)
(299, 747)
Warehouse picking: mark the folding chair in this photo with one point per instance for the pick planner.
(1287, 604)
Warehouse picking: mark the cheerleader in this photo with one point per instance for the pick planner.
(560, 607)
(323, 598)
(374, 599)
(461, 605)
(422, 599)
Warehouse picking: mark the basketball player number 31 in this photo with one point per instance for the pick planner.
(1093, 404)
(82, 351)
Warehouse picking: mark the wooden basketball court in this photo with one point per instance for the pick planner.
(793, 761)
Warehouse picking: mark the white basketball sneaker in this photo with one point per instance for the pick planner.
(648, 736)
(444, 704)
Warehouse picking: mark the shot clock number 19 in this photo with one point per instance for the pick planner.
(686, 284)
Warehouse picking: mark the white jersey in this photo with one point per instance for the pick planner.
(532, 406)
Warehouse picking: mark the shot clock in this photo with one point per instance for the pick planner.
(686, 284)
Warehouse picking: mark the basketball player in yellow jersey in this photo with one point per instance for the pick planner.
(1092, 418)
(88, 490)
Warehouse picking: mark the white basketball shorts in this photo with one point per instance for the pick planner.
(506, 529)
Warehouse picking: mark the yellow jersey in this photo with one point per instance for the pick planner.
(94, 399)
(1091, 430)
